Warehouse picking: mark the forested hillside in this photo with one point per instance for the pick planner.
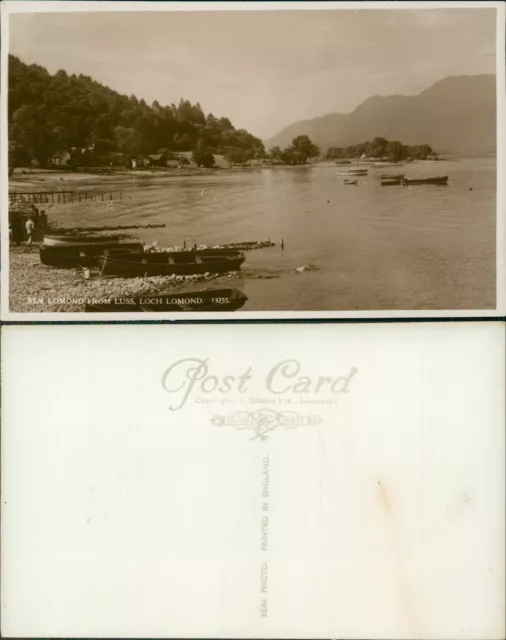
(51, 113)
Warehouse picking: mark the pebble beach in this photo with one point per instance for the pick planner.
(35, 287)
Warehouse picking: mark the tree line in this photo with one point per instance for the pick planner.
(48, 114)
(299, 152)
(393, 150)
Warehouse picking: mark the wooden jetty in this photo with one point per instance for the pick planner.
(63, 196)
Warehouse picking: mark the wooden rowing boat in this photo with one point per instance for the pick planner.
(171, 263)
(213, 300)
(436, 180)
(83, 255)
(75, 241)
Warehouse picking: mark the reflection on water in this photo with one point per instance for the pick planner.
(364, 247)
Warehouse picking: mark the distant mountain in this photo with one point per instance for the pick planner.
(456, 115)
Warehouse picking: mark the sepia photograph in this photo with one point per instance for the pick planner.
(252, 160)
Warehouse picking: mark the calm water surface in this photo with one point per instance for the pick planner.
(364, 247)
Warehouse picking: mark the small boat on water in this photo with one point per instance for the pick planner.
(68, 240)
(177, 263)
(443, 180)
(83, 255)
(351, 182)
(353, 172)
(392, 176)
(380, 165)
(211, 300)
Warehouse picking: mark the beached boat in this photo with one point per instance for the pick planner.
(212, 300)
(436, 180)
(208, 251)
(238, 246)
(353, 172)
(172, 263)
(83, 255)
(391, 183)
(75, 241)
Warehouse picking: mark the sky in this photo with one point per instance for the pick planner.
(262, 69)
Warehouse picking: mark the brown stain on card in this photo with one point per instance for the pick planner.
(385, 500)
(403, 587)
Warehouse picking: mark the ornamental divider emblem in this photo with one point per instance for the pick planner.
(263, 421)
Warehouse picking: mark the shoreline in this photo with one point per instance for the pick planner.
(22, 176)
(28, 177)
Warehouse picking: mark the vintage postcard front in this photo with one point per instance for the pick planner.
(273, 482)
(252, 160)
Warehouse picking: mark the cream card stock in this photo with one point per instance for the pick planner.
(244, 481)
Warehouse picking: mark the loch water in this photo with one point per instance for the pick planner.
(364, 247)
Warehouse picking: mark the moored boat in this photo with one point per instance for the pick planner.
(351, 182)
(83, 255)
(380, 165)
(392, 176)
(74, 241)
(209, 300)
(171, 263)
(353, 172)
(435, 180)
(391, 183)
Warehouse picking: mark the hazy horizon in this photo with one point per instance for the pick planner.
(262, 69)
